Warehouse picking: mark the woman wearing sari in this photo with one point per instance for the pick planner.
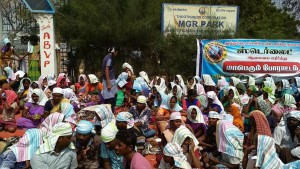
(232, 109)
(20, 154)
(196, 120)
(33, 110)
(176, 91)
(178, 80)
(43, 82)
(260, 126)
(81, 86)
(23, 91)
(213, 104)
(54, 104)
(62, 81)
(164, 112)
(9, 107)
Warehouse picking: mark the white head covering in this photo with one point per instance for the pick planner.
(174, 150)
(20, 73)
(181, 84)
(142, 99)
(109, 132)
(144, 75)
(251, 81)
(57, 90)
(212, 95)
(93, 78)
(213, 115)
(208, 80)
(222, 83)
(179, 90)
(127, 65)
(199, 116)
(175, 116)
(235, 81)
(42, 97)
(21, 87)
(69, 94)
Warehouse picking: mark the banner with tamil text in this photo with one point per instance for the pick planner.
(242, 57)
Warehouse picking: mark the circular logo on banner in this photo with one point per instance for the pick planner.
(215, 52)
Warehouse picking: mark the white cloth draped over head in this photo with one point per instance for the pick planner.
(208, 80)
(69, 94)
(199, 117)
(179, 90)
(162, 86)
(174, 150)
(271, 83)
(181, 84)
(144, 75)
(10, 73)
(128, 66)
(93, 78)
(176, 107)
(20, 73)
(60, 129)
(21, 87)
(251, 81)
(222, 83)
(181, 134)
(235, 81)
(109, 132)
(175, 116)
(84, 78)
(42, 97)
(212, 95)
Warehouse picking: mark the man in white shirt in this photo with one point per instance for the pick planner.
(287, 138)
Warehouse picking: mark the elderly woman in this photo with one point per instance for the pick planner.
(33, 110)
(174, 123)
(285, 106)
(54, 104)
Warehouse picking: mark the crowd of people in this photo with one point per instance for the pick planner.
(108, 122)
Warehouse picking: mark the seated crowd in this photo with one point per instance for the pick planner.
(197, 124)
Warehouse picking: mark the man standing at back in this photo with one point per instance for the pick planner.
(108, 76)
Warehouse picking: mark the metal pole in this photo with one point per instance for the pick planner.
(1, 27)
